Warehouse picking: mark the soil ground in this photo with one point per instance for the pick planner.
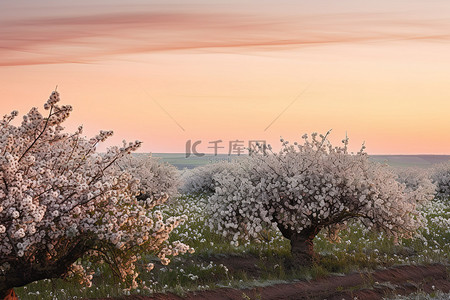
(401, 280)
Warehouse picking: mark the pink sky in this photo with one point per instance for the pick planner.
(165, 72)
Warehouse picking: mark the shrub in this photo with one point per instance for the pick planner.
(308, 187)
(61, 201)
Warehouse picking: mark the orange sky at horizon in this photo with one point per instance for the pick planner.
(227, 74)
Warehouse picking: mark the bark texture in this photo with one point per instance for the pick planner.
(302, 245)
(23, 272)
(302, 249)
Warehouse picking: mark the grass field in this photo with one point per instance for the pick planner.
(264, 261)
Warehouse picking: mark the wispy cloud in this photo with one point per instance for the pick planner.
(89, 38)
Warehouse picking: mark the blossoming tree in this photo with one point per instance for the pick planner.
(306, 188)
(201, 179)
(156, 179)
(441, 178)
(418, 184)
(60, 201)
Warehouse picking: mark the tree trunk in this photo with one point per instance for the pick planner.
(23, 272)
(8, 295)
(302, 245)
(302, 249)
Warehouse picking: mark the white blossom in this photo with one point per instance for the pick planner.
(311, 186)
(441, 178)
(60, 200)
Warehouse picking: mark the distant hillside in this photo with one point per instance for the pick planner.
(422, 161)
(180, 161)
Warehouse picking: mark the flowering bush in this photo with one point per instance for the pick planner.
(156, 179)
(60, 201)
(308, 187)
(417, 183)
(441, 178)
(201, 179)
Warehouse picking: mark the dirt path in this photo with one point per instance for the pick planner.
(375, 285)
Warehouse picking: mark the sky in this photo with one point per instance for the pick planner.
(165, 72)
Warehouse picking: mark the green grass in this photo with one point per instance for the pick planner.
(266, 262)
